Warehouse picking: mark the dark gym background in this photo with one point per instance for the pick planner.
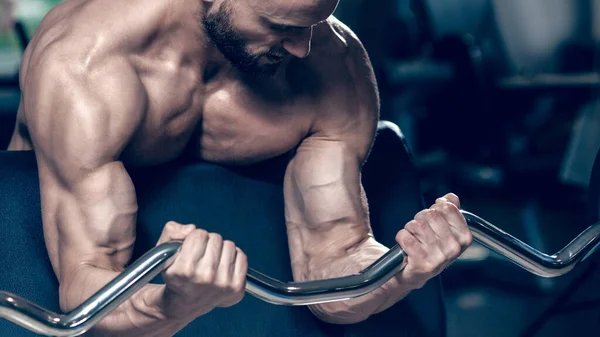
(498, 100)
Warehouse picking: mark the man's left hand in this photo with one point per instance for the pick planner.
(432, 240)
(435, 238)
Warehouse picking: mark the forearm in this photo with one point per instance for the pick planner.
(328, 226)
(143, 314)
(361, 308)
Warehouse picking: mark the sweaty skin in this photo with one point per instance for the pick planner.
(108, 84)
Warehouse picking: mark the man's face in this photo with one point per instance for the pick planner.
(257, 35)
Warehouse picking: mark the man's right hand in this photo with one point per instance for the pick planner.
(208, 272)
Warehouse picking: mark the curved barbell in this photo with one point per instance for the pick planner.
(139, 273)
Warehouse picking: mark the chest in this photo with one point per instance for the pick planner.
(241, 124)
(225, 122)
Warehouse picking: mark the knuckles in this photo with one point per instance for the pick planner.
(241, 256)
(451, 198)
(171, 226)
(216, 240)
(216, 236)
(206, 277)
(421, 226)
(454, 198)
(448, 208)
(176, 276)
(467, 239)
(228, 245)
(429, 267)
(240, 285)
(404, 237)
(231, 287)
(434, 215)
(454, 249)
(412, 225)
(401, 234)
(187, 272)
(430, 214)
(417, 226)
(174, 227)
(198, 234)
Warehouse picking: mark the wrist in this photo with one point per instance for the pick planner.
(346, 312)
(357, 259)
(354, 310)
(351, 261)
(175, 306)
(158, 303)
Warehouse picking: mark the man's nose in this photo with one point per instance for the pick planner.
(298, 44)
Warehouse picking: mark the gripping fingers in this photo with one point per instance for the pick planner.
(451, 198)
(423, 232)
(237, 282)
(449, 243)
(422, 264)
(240, 270)
(226, 266)
(192, 250)
(457, 222)
(207, 266)
(175, 231)
(436, 221)
(414, 248)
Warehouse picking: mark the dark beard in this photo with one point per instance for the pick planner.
(232, 45)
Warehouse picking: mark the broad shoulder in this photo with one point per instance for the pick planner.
(90, 95)
(81, 33)
(80, 47)
(348, 107)
(340, 60)
(334, 40)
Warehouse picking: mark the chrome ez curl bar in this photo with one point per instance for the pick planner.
(85, 316)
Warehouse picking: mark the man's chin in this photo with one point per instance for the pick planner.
(270, 69)
(262, 70)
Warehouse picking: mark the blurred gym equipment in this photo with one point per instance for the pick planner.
(10, 94)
